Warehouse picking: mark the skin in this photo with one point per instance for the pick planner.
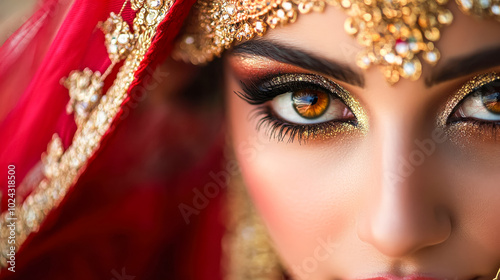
(439, 221)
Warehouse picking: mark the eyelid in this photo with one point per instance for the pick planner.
(462, 93)
(267, 89)
(313, 79)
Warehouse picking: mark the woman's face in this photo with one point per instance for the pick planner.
(371, 180)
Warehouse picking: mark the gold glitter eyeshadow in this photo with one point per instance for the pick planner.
(315, 90)
(355, 107)
(466, 133)
(474, 83)
(333, 129)
(342, 130)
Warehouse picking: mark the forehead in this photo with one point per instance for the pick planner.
(323, 35)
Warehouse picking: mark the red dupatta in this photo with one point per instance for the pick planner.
(118, 218)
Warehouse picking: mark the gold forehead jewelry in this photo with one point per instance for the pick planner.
(392, 33)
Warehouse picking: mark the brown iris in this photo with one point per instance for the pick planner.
(310, 104)
(491, 96)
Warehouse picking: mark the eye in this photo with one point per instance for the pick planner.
(482, 104)
(303, 106)
(310, 106)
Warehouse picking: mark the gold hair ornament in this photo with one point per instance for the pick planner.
(392, 33)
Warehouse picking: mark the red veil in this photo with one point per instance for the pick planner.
(120, 218)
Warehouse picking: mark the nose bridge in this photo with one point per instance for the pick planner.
(394, 142)
(400, 216)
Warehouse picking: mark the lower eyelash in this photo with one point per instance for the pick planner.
(477, 122)
(279, 130)
(475, 129)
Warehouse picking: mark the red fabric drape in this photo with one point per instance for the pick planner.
(121, 217)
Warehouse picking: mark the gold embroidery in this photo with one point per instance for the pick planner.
(119, 40)
(85, 91)
(62, 168)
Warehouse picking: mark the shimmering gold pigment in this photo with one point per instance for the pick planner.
(467, 133)
(332, 129)
(476, 82)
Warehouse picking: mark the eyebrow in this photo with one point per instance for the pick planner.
(299, 58)
(462, 66)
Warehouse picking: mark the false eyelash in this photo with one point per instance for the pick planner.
(278, 129)
(259, 93)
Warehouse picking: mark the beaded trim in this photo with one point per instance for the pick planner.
(94, 114)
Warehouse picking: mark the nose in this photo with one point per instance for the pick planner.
(402, 213)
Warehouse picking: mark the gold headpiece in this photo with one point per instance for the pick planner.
(392, 33)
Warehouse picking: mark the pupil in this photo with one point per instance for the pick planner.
(311, 99)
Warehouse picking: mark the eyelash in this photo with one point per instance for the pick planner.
(268, 88)
(272, 86)
(279, 129)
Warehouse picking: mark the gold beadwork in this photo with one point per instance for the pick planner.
(118, 38)
(392, 33)
(85, 91)
(215, 25)
(52, 158)
(149, 13)
(63, 168)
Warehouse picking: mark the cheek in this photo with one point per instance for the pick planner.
(478, 206)
(473, 192)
